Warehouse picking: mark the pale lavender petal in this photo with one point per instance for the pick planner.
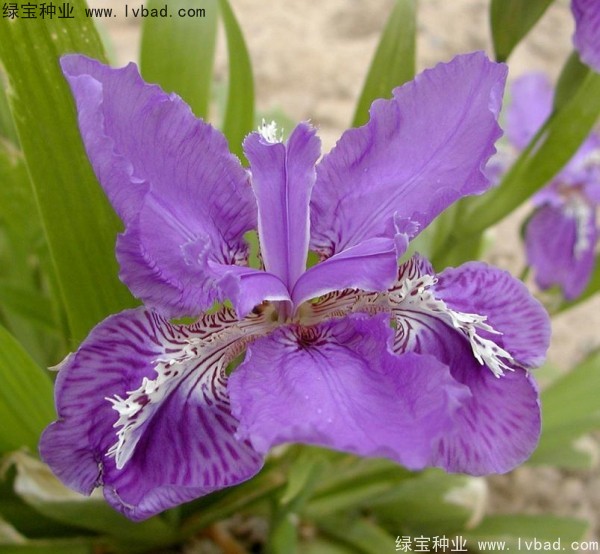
(337, 385)
(509, 307)
(561, 247)
(420, 151)
(283, 176)
(587, 31)
(530, 105)
(179, 441)
(183, 197)
(370, 266)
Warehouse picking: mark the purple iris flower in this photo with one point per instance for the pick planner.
(356, 353)
(587, 31)
(562, 233)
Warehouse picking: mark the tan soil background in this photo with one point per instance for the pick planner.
(310, 58)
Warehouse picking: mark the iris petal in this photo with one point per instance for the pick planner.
(419, 152)
(337, 385)
(283, 176)
(498, 426)
(587, 31)
(183, 197)
(144, 412)
(370, 266)
(551, 238)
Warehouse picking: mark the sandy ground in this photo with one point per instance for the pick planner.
(310, 58)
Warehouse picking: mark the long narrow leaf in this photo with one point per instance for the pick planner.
(571, 410)
(239, 113)
(26, 405)
(7, 127)
(511, 20)
(394, 60)
(185, 66)
(29, 304)
(79, 223)
(22, 252)
(572, 75)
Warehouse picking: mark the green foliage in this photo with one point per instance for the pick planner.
(511, 528)
(186, 65)
(570, 409)
(511, 20)
(25, 397)
(394, 60)
(239, 113)
(26, 308)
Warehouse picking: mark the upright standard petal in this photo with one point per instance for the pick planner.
(418, 153)
(143, 412)
(485, 327)
(561, 245)
(587, 31)
(336, 384)
(283, 176)
(184, 199)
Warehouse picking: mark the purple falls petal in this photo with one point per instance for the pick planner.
(522, 322)
(283, 176)
(183, 197)
(587, 31)
(337, 385)
(181, 443)
(498, 426)
(530, 105)
(561, 247)
(420, 151)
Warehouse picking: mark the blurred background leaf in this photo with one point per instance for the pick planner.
(394, 60)
(7, 127)
(511, 20)
(239, 112)
(178, 52)
(511, 528)
(27, 308)
(26, 405)
(570, 409)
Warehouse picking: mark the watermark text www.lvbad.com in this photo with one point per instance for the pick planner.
(165, 11)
